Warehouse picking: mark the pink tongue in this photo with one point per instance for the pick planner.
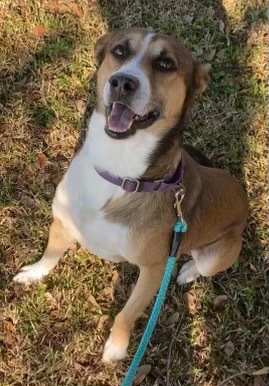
(120, 118)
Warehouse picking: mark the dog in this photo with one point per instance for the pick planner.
(116, 198)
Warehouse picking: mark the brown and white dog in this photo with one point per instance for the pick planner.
(147, 83)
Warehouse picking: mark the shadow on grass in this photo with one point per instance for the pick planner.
(26, 81)
(21, 87)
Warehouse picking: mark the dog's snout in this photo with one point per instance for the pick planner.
(123, 84)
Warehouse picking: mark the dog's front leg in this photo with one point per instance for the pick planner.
(146, 287)
(59, 241)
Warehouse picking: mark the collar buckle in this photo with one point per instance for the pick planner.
(130, 180)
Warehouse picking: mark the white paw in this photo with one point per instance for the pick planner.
(187, 273)
(32, 272)
(112, 352)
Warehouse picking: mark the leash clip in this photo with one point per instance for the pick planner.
(179, 195)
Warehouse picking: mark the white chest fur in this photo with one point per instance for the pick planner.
(82, 193)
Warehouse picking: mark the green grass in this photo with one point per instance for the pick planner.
(50, 333)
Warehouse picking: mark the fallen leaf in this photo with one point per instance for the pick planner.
(51, 301)
(9, 326)
(201, 339)
(263, 371)
(65, 7)
(189, 299)
(34, 96)
(102, 320)
(141, 374)
(229, 348)
(80, 105)
(219, 302)
(8, 339)
(42, 160)
(54, 7)
(92, 300)
(173, 318)
(115, 277)
(39, 31)
(77, 11)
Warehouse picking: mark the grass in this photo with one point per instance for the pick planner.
(53, 332)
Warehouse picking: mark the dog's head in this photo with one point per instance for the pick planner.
(145, 81)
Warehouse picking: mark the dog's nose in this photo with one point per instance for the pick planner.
(124, 84)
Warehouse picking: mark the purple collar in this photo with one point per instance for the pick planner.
(171, 181)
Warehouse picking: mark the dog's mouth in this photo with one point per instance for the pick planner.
(123, 122)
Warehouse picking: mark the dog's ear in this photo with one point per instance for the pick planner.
(100, 47)
(201, 76)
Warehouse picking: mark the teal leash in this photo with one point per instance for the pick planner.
(178, 230)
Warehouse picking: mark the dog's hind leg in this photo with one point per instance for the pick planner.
(59, 241)
(146, 287)
(212, 259)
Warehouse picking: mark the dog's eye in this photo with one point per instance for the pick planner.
(120, 52)
(165, 64)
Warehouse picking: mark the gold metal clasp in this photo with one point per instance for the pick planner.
(179, 197)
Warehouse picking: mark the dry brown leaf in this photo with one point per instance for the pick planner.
(219, 302)
(141, 374)
(80, 105)
(54, 6)
(229, 348)
(263, 371)
(34, 96)
(51, 301)
(42, 160)
(92, 300)
(77, 11)
(189, 299)
(8, 338)
(101, 322)
(39, 31)
(173, 318)
(65, 7)
(201, 339)
(115, 277)
(9, 326)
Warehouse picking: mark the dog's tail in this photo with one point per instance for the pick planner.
(198, 156)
